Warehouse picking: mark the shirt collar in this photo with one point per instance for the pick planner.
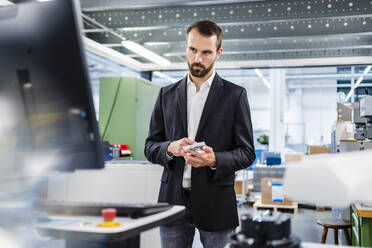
(207, 82)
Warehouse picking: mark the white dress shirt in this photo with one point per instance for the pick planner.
(195, 106)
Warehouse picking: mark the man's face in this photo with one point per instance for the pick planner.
(201, 53)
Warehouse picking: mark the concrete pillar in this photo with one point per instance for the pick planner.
(277, 94)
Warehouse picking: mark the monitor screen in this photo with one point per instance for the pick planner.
(46, 107)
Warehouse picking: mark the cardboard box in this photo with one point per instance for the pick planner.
(238, 187)
(293, 157)
(272, 191)
(319, 149)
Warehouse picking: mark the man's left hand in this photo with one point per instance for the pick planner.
(197, 159)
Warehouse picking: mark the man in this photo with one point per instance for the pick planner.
(201, 107)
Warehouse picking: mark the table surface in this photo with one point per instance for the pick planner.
(88, 224)
(362, 211)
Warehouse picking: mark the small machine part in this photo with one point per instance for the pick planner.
(264, 230)
(360, 132)
(369, 130)
(365, 108)
(344, 110)
(108, 215)
(360, 123)
(195, 147)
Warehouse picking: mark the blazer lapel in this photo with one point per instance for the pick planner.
(182, 102)
(211, 103)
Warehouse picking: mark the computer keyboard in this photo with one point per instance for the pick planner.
(132, 210)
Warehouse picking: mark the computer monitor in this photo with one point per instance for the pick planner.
(46, 105)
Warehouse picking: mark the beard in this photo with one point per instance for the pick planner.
(199, 72)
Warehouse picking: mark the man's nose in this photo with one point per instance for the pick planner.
(198, 58)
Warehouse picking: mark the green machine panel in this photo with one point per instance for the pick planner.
(361, 230)
(125, 108)
(145, 101)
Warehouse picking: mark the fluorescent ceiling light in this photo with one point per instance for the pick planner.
(146, 53)
(264, 80)
(258, 72)
(111, 54)
(368, 68)
(162, 75)
(5, 3)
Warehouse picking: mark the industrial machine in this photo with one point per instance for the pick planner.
(264, 230)
(360, 122)
(365, 110)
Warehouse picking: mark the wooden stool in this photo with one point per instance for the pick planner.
(335, 224)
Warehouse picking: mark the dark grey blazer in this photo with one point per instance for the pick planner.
(226, 126)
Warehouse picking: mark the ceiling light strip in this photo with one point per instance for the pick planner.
(264, 80)
(146, 53)
(356, 85)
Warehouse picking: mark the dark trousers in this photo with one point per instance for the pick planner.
(180, 234)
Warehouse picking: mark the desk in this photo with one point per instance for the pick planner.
(119, 181)
(81, 231)
(362, 211)
(361, 225)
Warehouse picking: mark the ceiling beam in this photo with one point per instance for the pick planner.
(90, 5)
(318, 27)
(256, 11)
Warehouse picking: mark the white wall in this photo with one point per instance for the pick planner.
(315, 106)
(293, 117)
(258, 98)
(319, 113)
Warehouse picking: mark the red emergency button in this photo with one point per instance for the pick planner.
(108, 214)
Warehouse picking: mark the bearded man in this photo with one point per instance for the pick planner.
(202, 107)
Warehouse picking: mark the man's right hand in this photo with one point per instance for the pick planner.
(175, 148)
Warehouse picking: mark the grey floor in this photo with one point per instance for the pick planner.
(303, 225)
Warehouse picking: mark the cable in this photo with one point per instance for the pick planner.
(112, 108)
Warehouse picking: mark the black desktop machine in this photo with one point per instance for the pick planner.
(44, 79)
(264, 229)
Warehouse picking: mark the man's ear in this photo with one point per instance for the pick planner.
(219, 52)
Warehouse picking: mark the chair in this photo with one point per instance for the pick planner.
(335, 224)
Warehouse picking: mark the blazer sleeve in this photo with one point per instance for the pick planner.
(243, 154)
(156, 145)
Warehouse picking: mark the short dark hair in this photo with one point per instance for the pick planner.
(207, 28)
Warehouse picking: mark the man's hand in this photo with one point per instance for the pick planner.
(175, 148)
(197, 159)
